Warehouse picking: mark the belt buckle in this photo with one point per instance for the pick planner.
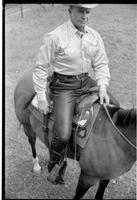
(78, 76)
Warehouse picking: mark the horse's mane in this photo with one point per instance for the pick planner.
(124, 117)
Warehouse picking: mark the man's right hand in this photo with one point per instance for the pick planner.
(43, 106)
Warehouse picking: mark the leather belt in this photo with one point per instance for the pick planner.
(79, 76)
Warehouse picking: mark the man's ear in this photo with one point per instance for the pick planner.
(69, 10)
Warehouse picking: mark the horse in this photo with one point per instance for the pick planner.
(109, 152)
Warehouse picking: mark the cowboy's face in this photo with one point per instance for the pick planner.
(79, 16)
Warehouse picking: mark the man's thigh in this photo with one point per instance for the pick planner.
(64, 104)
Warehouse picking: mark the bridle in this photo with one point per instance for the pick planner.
(125, 138)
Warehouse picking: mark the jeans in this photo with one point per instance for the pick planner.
(64, 93)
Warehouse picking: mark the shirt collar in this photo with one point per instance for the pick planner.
(74, 29)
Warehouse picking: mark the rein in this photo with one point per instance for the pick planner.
(75, 153)
(127, 140)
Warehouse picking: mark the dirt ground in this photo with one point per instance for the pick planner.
(23, 36)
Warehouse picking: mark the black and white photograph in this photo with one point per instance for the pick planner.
(70, 101)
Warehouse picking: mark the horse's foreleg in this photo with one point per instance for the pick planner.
(36, 167)
(80, 191)
(101, 189)
(84, 183)
(32, 140)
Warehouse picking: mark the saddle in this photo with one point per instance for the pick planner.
(83, 115)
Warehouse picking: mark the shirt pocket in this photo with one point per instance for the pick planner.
(68, 51)
(90, 49)
(90, 52)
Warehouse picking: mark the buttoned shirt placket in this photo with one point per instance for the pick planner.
(81, 37)
(82, 52)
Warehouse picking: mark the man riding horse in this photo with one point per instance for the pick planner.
(71, 49)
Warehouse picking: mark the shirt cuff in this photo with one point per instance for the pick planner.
(41, 96)
(103, 87)
(103, 82)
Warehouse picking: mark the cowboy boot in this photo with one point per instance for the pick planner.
(54, 177)
(60, 177)
(54, 159)
(57, 154)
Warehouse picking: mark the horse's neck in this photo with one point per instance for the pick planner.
(127, 132)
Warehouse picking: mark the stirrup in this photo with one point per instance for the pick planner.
(51, 164)
(54, 174)
(58, 160)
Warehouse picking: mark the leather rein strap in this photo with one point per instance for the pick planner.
(125, 138)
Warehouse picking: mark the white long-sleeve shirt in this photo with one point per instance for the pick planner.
(71, 55)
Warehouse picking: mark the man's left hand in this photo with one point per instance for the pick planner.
(104, 98)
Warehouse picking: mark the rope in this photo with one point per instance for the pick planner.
(118, 129)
